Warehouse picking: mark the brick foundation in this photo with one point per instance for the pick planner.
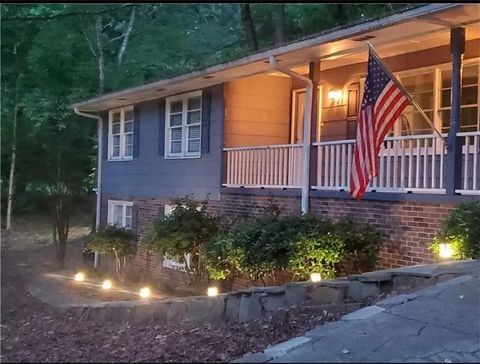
(408, 226)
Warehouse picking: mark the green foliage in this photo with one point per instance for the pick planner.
(316, 253)
(300, 244)
(112, 240)
(462, 230)
(183, 232)
(361, 246)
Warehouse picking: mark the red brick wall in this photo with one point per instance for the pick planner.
(408, 226)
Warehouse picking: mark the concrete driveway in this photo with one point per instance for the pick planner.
(440, 323)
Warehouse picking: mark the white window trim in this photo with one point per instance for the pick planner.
(124, 204)
(437, 82)
(122, 156)
(184, 154)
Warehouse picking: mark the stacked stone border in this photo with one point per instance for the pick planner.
(255, 303)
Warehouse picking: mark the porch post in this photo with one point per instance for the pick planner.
(453, 167)
(314, 75)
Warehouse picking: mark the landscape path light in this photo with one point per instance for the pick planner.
(145, 292)
(315, 277)
(212, 291)
(107, 284)
(79, 277)
(445, 251)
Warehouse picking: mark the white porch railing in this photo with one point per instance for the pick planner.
(276, 166)
(470, 164)
(406, 164)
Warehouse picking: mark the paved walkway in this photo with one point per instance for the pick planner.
(440, 323)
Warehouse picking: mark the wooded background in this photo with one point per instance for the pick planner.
(53, 55)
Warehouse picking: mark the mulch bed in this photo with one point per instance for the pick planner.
(34, 332)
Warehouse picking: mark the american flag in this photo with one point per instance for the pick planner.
(382, 104)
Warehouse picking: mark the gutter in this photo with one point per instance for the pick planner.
(306, 130)
(99, 169)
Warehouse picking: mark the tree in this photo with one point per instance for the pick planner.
(279, 18)
(248, 26)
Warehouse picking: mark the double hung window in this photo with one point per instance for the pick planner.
(183, 125)
(120, 133)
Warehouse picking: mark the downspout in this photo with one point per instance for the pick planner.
(99, 170)
(306, 130)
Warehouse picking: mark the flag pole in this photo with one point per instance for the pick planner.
(410, 98)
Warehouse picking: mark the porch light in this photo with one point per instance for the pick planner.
(445, 251)
(335, 96)
(79, 277)
(107, 284)
(145, 292)
(212, 291)
(315, 277)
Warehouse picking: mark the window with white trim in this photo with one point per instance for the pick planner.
(431, 88)
(177, 262)
(183, 125)
(120, 213)
(120, 132)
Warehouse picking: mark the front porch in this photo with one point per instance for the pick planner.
(265, 121)
(407, 164)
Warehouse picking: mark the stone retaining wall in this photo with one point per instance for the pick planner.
(254, 303)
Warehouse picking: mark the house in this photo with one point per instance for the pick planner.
(238, 132)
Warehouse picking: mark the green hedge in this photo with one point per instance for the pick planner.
(462, 230)
(299, 244)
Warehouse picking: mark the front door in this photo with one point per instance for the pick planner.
(298, 112)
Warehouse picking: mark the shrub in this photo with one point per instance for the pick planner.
(114, 240)
(300, 244)
(183, 232)
(361, 246)
(462, 230)
(316, 253)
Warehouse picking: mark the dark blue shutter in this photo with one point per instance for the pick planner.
(135, 219)
(136, 131)
(104, 116)
(206, 99)
(161, 127)
(103, 212)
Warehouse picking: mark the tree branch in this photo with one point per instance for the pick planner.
(56, 16)
(127, 35)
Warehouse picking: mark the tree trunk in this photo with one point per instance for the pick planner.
(14, 150)
(62, 222)
(247, 22)
(126, 36)
(279, 21)
(100, 61)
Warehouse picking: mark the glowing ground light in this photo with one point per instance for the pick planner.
(315, 277)
(145, 292)
(79, 277)
(212, 291)
(445, 251)
(106, 284)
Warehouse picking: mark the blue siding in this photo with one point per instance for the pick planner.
(150, 175)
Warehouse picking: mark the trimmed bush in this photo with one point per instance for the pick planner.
(299, 244)
(116, 241)
(462, 230)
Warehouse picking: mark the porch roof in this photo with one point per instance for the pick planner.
(415, 29)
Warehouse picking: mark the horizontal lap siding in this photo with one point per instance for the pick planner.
(150, 174)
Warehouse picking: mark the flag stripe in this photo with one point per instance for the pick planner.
(382, 104)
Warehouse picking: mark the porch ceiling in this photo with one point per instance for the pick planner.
(410, 31)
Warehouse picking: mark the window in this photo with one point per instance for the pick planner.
(431, 88)
(183, 125)
(120, 213)
(120, 134)
(177, 262)
(469, 98)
